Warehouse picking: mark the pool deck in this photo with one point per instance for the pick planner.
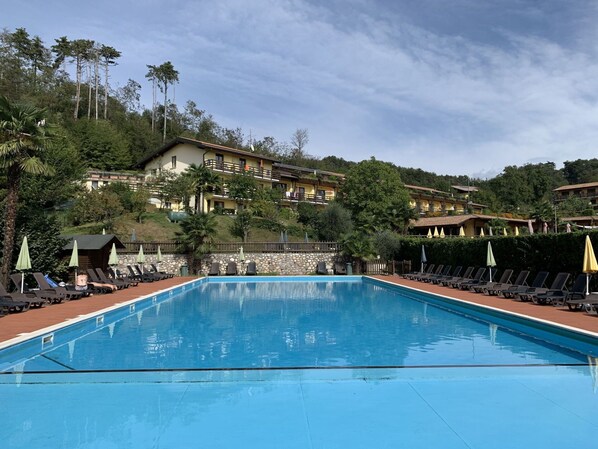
(557, 315)
(17, 324)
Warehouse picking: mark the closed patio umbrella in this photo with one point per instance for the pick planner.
(113, 259)
(140, 255)
(530, 227)
(423, 258)
(436, 234)
(516, 231)
(159, 255)
(442, 233)
(482, 232)
(545, 228)
(590, 265)
(490, 262)
(429, 234)
(504, 231)
(568, 228)
(24, 261)
(74, 262)
(241, 255)
(490, 232)
(461, 232)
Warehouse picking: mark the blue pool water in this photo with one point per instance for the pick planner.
(306, 364)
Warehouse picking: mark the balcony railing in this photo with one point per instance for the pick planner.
(231, 168)
(294, 197)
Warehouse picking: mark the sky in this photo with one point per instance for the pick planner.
(453, 87)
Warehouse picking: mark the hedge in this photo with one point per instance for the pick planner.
(550, 252)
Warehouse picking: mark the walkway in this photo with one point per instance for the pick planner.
(14, 324)
(558, 315)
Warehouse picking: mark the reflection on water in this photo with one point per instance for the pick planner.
(297, 324)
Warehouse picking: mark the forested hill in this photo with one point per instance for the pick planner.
(108, 128)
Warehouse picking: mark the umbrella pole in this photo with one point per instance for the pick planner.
(587, 284)
(22, 281)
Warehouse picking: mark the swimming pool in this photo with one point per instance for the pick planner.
(300, 362)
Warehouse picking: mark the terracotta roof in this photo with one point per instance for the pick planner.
(582, 218)
(576, 186)
(458, 220)
(466, 188)
(200, 144)
(426, 189)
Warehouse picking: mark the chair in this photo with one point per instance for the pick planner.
(411, 273)
(467, 275)
(428, 269)
(116, 274)
(479, 277)
(154, 269)
(251, 269)
(106, 280)
(538, 282)
(43, 284)
(573, 298)
(14, 298)
(11, 305)
(455, 274)
(557, 285)
(321, 268)
(150, 277)
(505, 278)
(439, 275)
(339, 268)
(422, 277)
(214, 269)
(49, 295)
(231, 268)
(96, 281)
(499, 288)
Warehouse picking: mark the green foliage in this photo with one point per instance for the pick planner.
(242, 188)
(359, 246)
(369, 190)
(387, 245)
(333, 222)
(97, 206)
(581, 171)
(101, 145)
(308, 214)
(575, 206)
(241, 225)
(196, 235)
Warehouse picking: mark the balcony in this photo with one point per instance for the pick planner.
(293, 197)
(237, 169)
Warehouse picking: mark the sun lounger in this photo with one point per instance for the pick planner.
(428, 269)
(558, 297)
(321, 268)
(467, 275)
(116, 274)
(557, 285)
(251, 269)
(480, 276)
(445, 272)
(12, 306)
(424, 276)
(50, 295)
(43, 284)
(339, 268)
(505, 278)
(231, 269)
(18, 297)
(150, 277)
(538, 282)
(214, 269)
(519, 282)
(118, 282)
(455, 274)
(154, 269)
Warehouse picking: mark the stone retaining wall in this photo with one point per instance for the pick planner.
(267, 263)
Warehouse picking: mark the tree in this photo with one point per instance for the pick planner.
(333, 222)
(581, 171)
(24, 137)
(97, 206)
(387, 245)
(241, 225)
(242, 188)
(299, 140)
(101, 145)
(152, 76)
(196, 235)
(203, 180)
(368, 191)
(79, 50)
(109, 55)
(308, 214)
(165, 74)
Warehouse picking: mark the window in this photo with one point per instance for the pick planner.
(321, 194)
(218, 204)
(173, 162)
(168, 205)
(94, 185)
(243, 164)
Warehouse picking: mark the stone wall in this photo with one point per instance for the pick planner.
(267, 263)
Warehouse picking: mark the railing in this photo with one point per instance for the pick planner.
(310, 197)
(249, 247)
(230, 167)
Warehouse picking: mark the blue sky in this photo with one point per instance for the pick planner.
(453, 87)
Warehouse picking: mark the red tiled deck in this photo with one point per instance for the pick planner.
(14, 324)
(558, 315)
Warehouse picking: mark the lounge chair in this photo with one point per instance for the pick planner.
(455, 274)
(50, 295)
(505, 278)
(424, 276)
(445, 272)
(467, 275)
(118, 282)
(251, 269)
(214, 269)
(428, 269)
(321, 268)
(150, 277)
(231, 269)
(557, 285)
(154, 269)
(538, 282)
(95, 280)
(572, 298)
(339, 268)
(116, 274)
(519, 282)
(18, 297)
(10, 305)
(43, 284)
(480, 277)
(589, 303)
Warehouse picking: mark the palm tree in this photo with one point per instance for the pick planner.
(203, 179)
(24, 136)
(166, 74)
(196, 237)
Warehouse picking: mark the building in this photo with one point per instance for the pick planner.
(587, 191)
(431, 202)
(472, 224)
(96, 179)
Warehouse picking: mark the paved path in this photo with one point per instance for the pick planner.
(559, 315)
(34, 319)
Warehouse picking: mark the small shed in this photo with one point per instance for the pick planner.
(94, 250)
